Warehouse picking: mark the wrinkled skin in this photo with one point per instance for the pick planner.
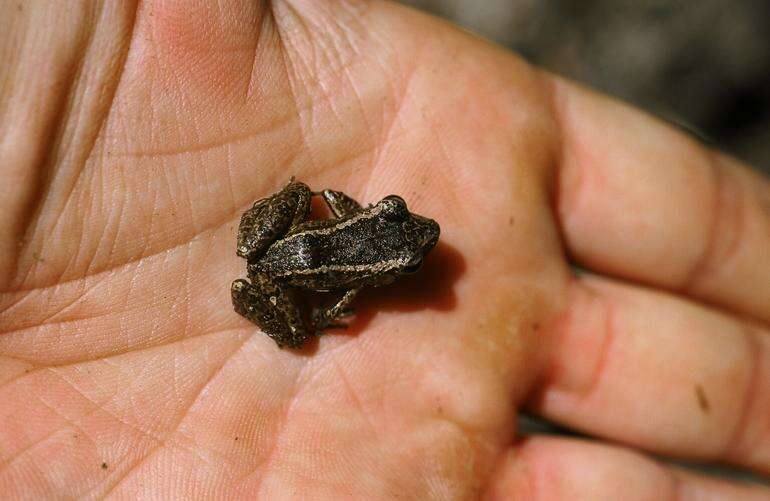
(133, 137)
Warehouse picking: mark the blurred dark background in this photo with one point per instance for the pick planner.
(702, 64)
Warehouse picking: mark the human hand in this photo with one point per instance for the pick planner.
(134, 136)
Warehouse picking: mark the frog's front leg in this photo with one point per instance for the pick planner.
(271, 218)
(340, 204)
(324, 318)
(267, 304)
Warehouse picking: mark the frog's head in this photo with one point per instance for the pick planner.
(421, 233)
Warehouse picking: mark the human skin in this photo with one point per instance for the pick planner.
(132, 137)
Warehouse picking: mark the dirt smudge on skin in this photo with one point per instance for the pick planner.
(703, 401)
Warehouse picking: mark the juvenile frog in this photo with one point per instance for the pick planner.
(286, 252)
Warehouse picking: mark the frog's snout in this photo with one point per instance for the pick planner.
(434, 233)
(429, 231)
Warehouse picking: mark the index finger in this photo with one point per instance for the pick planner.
(640, 200)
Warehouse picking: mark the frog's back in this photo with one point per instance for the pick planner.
(345, 253)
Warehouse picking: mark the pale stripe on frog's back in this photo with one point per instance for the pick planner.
(343, 223)
(372, 268)
(364, 247)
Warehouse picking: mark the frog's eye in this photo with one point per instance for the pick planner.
(395, 206)
(396, 199)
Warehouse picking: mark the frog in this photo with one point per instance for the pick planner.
(288, 254)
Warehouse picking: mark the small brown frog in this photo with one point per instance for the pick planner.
(286, 252)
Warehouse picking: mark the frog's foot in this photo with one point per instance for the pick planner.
(268, 306)
(240, 291)
(322, 319)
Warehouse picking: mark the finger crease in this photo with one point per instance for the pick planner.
(733, 449)
(607, 343)
(725, 227)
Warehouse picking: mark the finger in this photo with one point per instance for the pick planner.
(557, 468)
(640, 200)
(662, 373)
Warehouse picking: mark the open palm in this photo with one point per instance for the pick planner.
(133, 138)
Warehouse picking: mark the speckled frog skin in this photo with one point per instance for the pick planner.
(286, 252)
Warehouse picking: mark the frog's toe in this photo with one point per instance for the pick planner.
(322, 320)
(239, 285)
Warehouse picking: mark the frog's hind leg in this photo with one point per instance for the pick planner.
(340, 204)
(271, 218)
(324, 318)
(268, 305)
